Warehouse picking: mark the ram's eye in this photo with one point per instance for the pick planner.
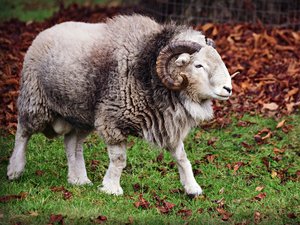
(199, 66)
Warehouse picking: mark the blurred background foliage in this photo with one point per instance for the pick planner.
(283, 13)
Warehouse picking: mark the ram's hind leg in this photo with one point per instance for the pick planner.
(111, 180)
(76, 166)
(17, 160)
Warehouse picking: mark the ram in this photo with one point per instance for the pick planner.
(128, 76)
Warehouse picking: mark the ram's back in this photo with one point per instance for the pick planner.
(77, 68)
(59, 63)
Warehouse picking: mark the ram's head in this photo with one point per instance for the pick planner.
(195, 69)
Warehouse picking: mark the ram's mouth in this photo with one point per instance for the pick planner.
(222, 97)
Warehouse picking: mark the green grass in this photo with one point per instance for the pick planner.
(282, 201)
(36, 10)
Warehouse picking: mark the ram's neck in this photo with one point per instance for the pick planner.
(199, 111)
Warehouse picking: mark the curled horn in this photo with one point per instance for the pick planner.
(164, 57)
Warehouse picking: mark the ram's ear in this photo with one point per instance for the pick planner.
(183, 59)
(210, 42)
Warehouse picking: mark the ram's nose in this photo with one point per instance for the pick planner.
(223, 92)
(228, 89)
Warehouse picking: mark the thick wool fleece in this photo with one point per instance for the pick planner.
(103, 77)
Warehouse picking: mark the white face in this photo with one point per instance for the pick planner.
(207, 74)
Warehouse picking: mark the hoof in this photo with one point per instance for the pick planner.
(192, 196)
(79, 181)
(14, 173)
(193, 191)
(111, 189)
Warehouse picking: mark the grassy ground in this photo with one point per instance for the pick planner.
(215, 154)
(37, 10)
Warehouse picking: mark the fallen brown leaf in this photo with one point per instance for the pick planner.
(268, 135)
(265, 161)
(270, 106)
(162, 170)
(67, 195)
(244, 123)
(260, 196)
(162, 205)
(278, 151)
(160, 157)
(39, 172)
(220, 202)
(210, 158)
(176, 191)
(258, 139)
(57, 188)
(292, 215)
(33, 213)
(292, 92)
(56, 219)
(8, 198)
(225, 215)
(287, 128)
(130, 220)
(100, 219)
(273, 174)
(184, 213)
(262, 135)
(229, 166)
(212, 141)
(166, 207)
(136, 187)
(236, 166)
(142, 203)
(246, 145)
(221, 191)
(280, 124)
(130, 144)
(257, 217)
(94, 164)
(220, 210)
(172, 165)
(297, 175)
(197, 172)
(259, 188)
(200, 210)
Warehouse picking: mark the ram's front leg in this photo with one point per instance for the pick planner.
(111, 180)
(187, 178)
